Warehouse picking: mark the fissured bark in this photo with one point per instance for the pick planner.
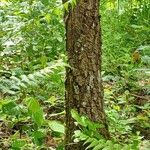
(84, 91)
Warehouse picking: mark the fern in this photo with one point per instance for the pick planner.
(15, 84)
(101, 143)
(94, 141)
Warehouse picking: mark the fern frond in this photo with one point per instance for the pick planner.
(15, 84)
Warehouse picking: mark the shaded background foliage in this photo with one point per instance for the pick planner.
(32, 58)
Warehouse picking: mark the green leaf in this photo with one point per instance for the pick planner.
(80, 120)
(109, 143)
(89, 140)
(66, 6)
(38, 118)
(74, 2)
(35, 111)
(11, 108)
(18, 144)
(79, 135)
(107, 148)
(38, 134)
(57, 126)
(93, 144)
(33, 105)
(52, 100)
(99, 146)
(60, 147)
(8, 106)
(25, 78)
(45, 2)
(126, 147)
(38, 137)
(93, 126)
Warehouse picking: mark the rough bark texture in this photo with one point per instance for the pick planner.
(84, 90)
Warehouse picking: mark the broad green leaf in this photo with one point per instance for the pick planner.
(117, 147)
(38, 137)
(38, 117)
(36, 111)
(38, 134)
(10, 108)
(57, 126)
(33, 105)
(18, 144)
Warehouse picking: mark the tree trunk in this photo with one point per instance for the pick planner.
(84, 91)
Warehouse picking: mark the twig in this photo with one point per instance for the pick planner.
(142, 97)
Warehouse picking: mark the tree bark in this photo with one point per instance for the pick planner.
(84, 91)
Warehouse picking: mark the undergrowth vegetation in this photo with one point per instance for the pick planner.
(32, 71)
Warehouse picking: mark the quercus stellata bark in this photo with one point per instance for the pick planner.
(84, 91)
